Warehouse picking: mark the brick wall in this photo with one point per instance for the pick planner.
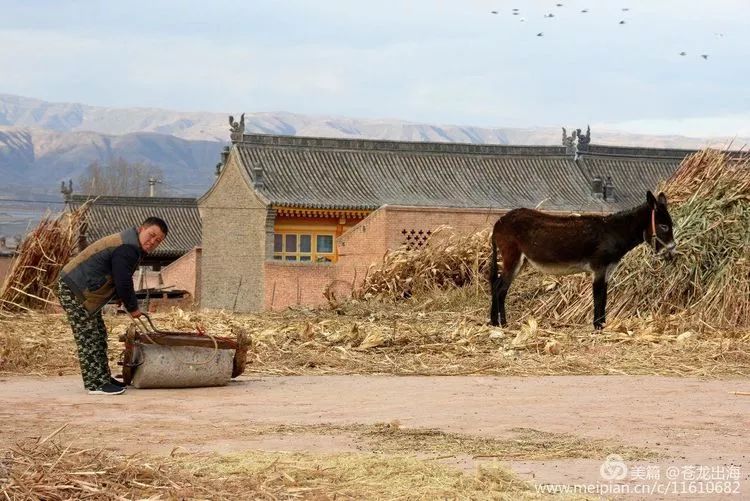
(406, 219)
(290, 284)
(183, 274)
(234, 243)
(361, 246)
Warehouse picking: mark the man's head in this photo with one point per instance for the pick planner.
(151, 233)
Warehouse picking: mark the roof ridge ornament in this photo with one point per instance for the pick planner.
(66, 191)
(236, 129)
(582, 144)
(569, 141)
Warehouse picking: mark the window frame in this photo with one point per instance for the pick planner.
(313, 257)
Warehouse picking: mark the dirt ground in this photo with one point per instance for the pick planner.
(684, 421)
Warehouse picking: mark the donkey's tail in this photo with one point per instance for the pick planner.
(493, 262)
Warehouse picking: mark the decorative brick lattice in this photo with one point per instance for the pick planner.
(415, 239)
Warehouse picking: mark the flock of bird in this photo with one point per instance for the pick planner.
(549, 15)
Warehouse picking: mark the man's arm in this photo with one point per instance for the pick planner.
(124, 259)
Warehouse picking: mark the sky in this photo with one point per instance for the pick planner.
(438, 62)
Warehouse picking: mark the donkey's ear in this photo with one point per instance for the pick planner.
(651, 199)
(662, 199)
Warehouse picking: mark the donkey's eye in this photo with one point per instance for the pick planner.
(663, 227)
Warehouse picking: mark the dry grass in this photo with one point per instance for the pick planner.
(443, 334)
(366, 476)
(46, 469)
(524, 443)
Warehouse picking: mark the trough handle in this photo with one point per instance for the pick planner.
(150, 326)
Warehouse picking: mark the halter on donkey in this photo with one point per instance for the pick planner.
(562, 245)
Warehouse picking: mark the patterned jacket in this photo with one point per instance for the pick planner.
(104, 270)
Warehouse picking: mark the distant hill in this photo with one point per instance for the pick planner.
(19, 111)
(42, 143)
(38, 158)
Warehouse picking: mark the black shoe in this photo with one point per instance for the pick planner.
(107, 389)
(117, 383)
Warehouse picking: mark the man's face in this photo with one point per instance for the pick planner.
(150, 237)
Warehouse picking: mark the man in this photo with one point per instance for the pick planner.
(100, 272)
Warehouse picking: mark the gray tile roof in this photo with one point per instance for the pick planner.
(109, 215)
(631, 176)
(365, 174)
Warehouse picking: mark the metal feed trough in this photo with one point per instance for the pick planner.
(162, 359)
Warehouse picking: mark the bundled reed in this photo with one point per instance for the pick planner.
(41, 256)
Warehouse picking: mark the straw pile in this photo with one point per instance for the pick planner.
(43, 253)
(450, 260)
(46, 469)
(709, 199)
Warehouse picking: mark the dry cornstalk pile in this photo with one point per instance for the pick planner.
(43, 253)
(709, 199)
(449, 260)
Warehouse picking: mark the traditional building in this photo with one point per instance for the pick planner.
(290, 217)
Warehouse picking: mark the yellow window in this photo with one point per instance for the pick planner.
(303, 247)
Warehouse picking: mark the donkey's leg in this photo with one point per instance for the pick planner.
(496, 284)
(600, 299)
(512, 263)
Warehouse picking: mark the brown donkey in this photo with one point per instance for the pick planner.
(562, 245)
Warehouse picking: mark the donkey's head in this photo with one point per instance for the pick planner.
(659, 229)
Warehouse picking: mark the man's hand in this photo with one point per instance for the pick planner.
(136, 313)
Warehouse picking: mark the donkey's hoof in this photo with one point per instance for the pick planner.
(598, 326)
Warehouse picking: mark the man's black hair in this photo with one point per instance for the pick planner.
(156, 221)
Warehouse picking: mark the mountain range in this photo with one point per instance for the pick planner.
(43, 143)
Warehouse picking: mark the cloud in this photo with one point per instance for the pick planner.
(437, 61)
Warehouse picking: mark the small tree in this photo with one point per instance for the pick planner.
(118, 178)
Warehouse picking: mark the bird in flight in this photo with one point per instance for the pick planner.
(704, 56)
(494, 12)
(540, 34)
(625, 9)
(585, 11)
(622, 22)
(683, 53)
(549, 15)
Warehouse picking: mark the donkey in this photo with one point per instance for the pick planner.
(562, 245)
